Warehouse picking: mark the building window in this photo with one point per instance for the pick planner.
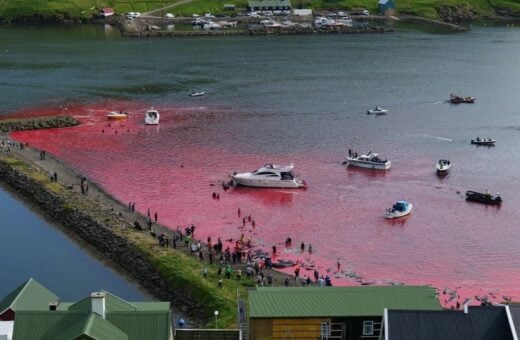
(368, 327)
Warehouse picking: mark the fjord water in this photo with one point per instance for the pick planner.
(303, 100)
(30, 247)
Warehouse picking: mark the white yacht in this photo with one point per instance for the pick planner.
(399, 209)
(270, 176)
(152, 117)
(369, 161)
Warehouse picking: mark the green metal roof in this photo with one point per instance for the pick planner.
(94, 327)
(293, 302)
(123, 321)
(31, 295)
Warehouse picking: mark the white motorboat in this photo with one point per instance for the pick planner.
(443, 166)
(399, 209)
(211, 26)
(152, 117)
(197, 93)
(270, 176)
(114, 115)
(377, 111)
(267, 23)
(321, 22)
(369, 161)
(345, 21)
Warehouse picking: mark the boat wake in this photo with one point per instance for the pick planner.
(446, 139)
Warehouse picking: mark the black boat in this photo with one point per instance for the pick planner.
(486, 198)
(459, 100)
(484, 141)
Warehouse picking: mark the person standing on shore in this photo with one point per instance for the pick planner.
(155, 217)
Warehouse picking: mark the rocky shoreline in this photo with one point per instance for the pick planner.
(16, 124)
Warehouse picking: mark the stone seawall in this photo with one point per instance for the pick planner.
(87, 226)
(16, 124)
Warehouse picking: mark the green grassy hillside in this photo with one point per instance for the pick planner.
(10, 9)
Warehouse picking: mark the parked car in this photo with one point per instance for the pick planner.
(208, 15)
(133, 15)
(169, 15)
(252, 14)
(195, 15)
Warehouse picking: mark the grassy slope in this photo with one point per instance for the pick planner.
(77, 8)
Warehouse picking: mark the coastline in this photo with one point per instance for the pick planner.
(106, 226)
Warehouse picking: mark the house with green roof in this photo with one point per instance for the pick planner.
(30, 295)
(100, 316)
(348, 313)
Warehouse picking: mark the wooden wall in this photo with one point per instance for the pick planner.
(282, 329)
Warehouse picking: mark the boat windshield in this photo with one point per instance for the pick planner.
(287, 176)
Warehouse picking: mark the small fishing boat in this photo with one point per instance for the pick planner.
(459, 100)
(270, 176)
(152, 117)
(377, 111)
(443, 167)
(486, 197)
(369, 161)
(483, 141)
(197, 93)
(114, 115)
(399, 209)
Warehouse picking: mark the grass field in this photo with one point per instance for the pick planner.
(10, 9)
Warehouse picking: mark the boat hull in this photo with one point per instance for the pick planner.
(261, 183)
(397, 214)
(117, 116)
(478, 197)
(483, 143)
(368, 165)
(377, 112)
(443, 170)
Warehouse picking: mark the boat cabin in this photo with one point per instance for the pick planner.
(400, 206)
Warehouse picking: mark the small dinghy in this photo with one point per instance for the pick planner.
(377, 111)
(486, 197)
(443, 167)
(399, 209)
(197, 93)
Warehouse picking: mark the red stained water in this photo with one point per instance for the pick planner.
(174, 168)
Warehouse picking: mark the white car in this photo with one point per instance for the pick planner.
(252, 14)
(195, 15)
(169, 15)
(208, 15)
(132, 15)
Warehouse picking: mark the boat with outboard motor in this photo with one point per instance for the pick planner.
(459, 100)
(443, 166)
(369, 161)
(399, 209)
(486, 197)
(270, 176)
(483, 141)
(114, 115)
(152, 117)
(377, 111)
(197, 93)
